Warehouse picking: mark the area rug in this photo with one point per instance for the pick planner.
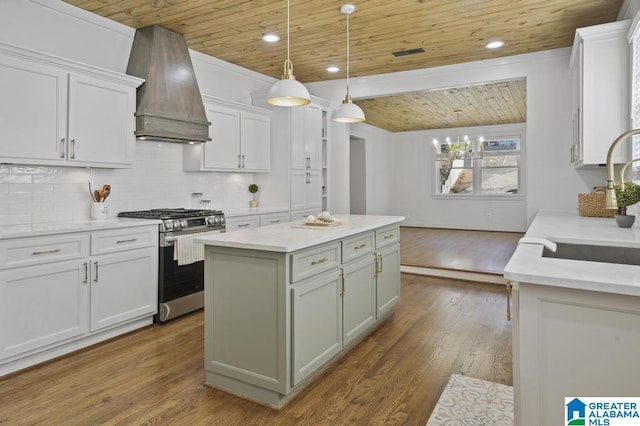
(473, 402)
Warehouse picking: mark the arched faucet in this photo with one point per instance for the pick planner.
(610, 201)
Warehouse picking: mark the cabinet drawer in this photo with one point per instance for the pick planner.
(313, 261)
(242, 222)
(388, 235)
(273, 218)
(112, 241)
(36, 250)
(358, 246)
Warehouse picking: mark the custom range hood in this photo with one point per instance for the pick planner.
(169, 105)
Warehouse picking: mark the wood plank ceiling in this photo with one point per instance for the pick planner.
(449, 31)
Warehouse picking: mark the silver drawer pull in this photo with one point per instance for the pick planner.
(360, 246)
(324, 259)
(388, 236)
(126, 241)
(35, 253)
(242, 225)
(275, 221)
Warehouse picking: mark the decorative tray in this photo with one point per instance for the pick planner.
(336, 222)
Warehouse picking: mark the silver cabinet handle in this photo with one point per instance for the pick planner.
(85, 265)
(242, 225)
(62, 147)
(243, 161)
(275, 221)
(73, 148)
(35, 253)
(315, 262)
(308, 177)
(308, 162)
(239, 163)
(126, 241)
(95, 279)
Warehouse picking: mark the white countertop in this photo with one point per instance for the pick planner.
(52, 228)
(527, 264)
(292, 236)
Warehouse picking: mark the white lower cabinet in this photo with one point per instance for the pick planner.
(41, 306)
(60, 293)
(273, 218)
(120, 287)
(242, 222)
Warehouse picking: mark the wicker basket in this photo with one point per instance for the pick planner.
(592, 204)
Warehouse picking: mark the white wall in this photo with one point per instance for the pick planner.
(41, 194)
(552, 182)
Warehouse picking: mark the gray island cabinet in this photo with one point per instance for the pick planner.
(283, 301)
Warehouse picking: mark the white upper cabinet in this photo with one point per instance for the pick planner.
(240, 139)
(57, 112)
(306, 137)
(600, 89)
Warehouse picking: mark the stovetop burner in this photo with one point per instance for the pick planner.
(178, 213)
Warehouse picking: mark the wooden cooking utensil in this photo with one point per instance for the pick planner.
(106, 190)
(98, 195)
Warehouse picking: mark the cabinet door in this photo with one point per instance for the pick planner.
(33, 111)
(101, 122)
(388, 280)
(274, 218)
(306, 189)
(313, 135)
(316, 323)
(255, 146)
(222, 152)
(124, 286)
(306, 137)
(42, 305)
(358, 298)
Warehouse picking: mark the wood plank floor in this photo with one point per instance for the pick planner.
(461, 250)
(155, 375)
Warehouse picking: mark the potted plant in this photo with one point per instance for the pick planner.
(627, 194)
(253, 188)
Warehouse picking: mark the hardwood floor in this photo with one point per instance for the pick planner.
(155, 375)
(462, 250)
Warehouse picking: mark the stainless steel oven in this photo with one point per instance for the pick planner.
(180, 286)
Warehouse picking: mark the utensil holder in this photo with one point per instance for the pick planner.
(99, 211)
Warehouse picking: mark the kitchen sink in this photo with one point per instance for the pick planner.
(595, 253)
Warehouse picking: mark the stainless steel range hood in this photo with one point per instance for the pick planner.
(169, 105)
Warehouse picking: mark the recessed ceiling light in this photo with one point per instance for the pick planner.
(333, 69)
(496, 44)
(270, 37)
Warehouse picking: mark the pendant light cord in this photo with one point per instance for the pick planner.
(348, 53)
(288, 7)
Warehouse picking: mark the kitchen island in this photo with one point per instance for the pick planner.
(576, 328)
(282, 302)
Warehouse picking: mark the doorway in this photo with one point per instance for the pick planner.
(357, 176)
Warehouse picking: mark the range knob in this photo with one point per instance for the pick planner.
(210, 220)
(176, 224)
(168, 225)
(183, 223)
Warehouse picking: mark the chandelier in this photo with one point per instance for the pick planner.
(464, 149)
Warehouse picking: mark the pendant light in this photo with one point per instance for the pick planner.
(348, 112)
(288, 91)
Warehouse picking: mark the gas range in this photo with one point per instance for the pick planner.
(192, 220)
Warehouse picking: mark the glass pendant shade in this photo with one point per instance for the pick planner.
(288, 91)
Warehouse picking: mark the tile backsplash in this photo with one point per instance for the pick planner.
(38, 194)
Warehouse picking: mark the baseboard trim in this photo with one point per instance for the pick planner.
(450, 273)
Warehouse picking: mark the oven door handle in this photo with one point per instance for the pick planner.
(173, 238)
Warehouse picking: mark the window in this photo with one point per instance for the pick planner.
(495, 170)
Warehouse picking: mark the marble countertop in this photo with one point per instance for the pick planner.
(292, 236)
(52, 228)
(528, 265)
